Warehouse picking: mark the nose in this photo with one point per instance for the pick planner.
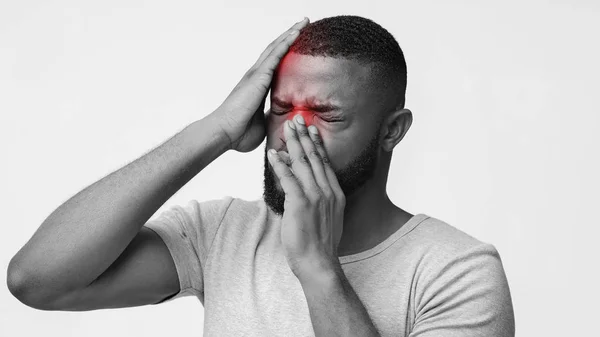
(307, 115)
(308, 119)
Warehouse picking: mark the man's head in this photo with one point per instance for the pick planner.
(347, 76)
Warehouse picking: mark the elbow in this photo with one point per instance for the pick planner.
(21, 285)
(17, 283)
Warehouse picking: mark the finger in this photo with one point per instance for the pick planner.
(299, 160)
(285, 157)
(314, 156)
(329, 172)
(287, 179)
(297, 26)
(270, 63)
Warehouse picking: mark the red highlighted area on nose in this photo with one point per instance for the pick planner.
(307, 115)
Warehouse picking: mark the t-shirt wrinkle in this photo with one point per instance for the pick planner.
(208, 254)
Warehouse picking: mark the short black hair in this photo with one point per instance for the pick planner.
(362, 40)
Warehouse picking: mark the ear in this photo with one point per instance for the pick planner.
(394, 128)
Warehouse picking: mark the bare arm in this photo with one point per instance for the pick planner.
(93, 251)
(86, 234)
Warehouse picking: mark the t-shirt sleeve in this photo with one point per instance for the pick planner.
(467, 296)
(188, 232)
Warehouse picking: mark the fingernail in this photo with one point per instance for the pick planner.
(313, 129)
(299, 119)
(291, 124)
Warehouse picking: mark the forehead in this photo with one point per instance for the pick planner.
(318, 79)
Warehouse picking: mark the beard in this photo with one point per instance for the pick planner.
(352, 177)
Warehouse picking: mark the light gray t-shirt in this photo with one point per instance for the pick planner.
(426, 279)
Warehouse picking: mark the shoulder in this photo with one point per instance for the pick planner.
(243, 215)
(244, 209)
(440, 244)
(246, 206)
(447, 254)
(226, 208)
(460, 275)
(438, 235)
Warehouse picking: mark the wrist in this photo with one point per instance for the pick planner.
(320, 282)
(319, 272)
(212, 125)
(204, 141)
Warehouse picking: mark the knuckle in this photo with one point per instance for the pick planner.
(328, 193)
(314, 154)
(302, 131)
(303, 159)
(305, 201)
(285, 43)
(250, 72)
(325, 160)
(271, 45)
(315, 197)
(277, 159)
(263, 76)
(288, 174)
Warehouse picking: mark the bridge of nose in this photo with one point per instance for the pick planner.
(307, 115)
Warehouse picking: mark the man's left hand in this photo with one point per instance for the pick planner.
(312, 222)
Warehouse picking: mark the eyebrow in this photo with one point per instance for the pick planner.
(320, 107)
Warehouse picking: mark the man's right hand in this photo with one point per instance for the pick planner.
(241, 116)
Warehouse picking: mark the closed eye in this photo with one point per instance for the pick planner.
(320, 116)
(330, 119)
(278, 112)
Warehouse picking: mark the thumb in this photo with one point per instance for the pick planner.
(261, 107)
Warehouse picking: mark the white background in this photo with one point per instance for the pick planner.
(504, 143)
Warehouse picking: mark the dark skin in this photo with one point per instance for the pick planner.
(358, 142)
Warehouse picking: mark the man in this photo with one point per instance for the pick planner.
(323, 253)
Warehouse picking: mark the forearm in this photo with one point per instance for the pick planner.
(87, 233)
(335, 309)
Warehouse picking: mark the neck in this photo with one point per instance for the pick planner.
(368, 215)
